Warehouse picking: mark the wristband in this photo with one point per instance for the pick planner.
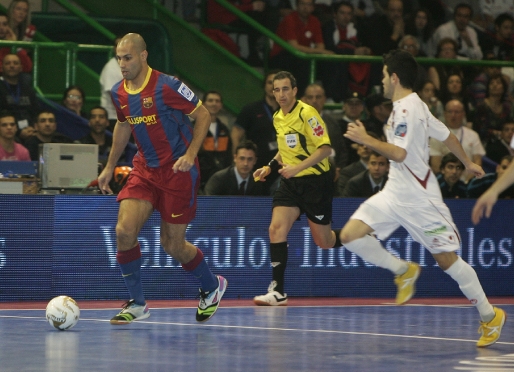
(274, 165)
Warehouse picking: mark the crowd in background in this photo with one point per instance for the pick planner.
(474, 102)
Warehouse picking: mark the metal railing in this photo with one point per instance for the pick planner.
(70, 51)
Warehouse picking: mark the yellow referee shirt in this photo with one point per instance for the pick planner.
(299, 134)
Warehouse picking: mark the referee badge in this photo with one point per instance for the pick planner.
(291, 140)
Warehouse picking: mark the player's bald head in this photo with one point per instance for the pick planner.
(135, 40)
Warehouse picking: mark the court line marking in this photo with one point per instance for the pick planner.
(277, 329)
(392, 304)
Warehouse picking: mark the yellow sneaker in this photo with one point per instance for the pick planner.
(491, 331)
(406, 283)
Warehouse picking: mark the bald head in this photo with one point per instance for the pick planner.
(135, 40)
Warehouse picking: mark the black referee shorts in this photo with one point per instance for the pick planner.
(312, 194)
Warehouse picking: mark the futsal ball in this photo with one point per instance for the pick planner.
(62, 312)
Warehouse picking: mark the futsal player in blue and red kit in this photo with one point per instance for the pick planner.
(156, 108)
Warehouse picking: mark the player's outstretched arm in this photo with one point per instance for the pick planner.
(454, 145)
(484, 205)
(120, 138)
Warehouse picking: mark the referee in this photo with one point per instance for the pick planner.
(305, 185)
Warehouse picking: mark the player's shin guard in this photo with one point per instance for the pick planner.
(369, 249)
(278, 256)
(130, 265)
(469, 284)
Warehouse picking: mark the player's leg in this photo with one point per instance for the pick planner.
(324, 236)
(212, 287)
(282, 219)
(492, 318)
(374, 215)
(132, 215)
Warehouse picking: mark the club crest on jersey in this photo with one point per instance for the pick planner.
(400, 130)
(291, 140)
(317, 128)
(147, 102)
(186, 92)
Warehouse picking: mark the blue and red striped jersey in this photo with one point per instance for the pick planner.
(157, 114)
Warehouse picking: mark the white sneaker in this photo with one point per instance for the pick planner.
(130, 313)
(272, 298)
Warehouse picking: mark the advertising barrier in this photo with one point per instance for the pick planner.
(66, 244)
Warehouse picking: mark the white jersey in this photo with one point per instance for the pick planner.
(110, 75)
(410, 127)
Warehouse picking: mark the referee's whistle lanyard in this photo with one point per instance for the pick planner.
(15, 96)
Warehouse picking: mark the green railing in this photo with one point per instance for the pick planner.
(69, 51)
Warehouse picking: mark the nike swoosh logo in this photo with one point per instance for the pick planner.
(280, 299)
(173, 215)
(125, 275)
(123, 106)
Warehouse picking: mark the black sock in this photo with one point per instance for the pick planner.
(338, 240)
(278, 256)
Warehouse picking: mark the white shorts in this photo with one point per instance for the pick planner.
(429, 222)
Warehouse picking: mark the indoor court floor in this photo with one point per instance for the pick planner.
(314, 334)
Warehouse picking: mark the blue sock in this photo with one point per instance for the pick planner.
(200, 270)
(130, 265)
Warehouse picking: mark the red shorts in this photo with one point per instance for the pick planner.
(172, 194)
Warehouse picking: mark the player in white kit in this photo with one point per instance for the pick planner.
(412, 198)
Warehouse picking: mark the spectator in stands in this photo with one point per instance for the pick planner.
(363, 9)
(315, 96)
(216, 151)
(500, 43)
(237, 178)
(98, 123)
(428, 95)
(18, 96)
(438, 74)
(497, 148)
(477, 186)
(303, 32)
(459, 30)
(494, 111)
(8, 35)
(379, 109)
(490, 10)
(110, 75)
(478, 86)
(449, 177)
(255, 122)
(468, 138)
(420, 26)
(381, 33)
(371, 181)
(353, 109)
(73, 99)
(46, 132)
(19, 20)
(384, 31)
(354, 168)
(340, 36)
(452, 89)
(217, 14)
(9, 149)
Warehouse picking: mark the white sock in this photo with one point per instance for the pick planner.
(469, 284)
(369, 249)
